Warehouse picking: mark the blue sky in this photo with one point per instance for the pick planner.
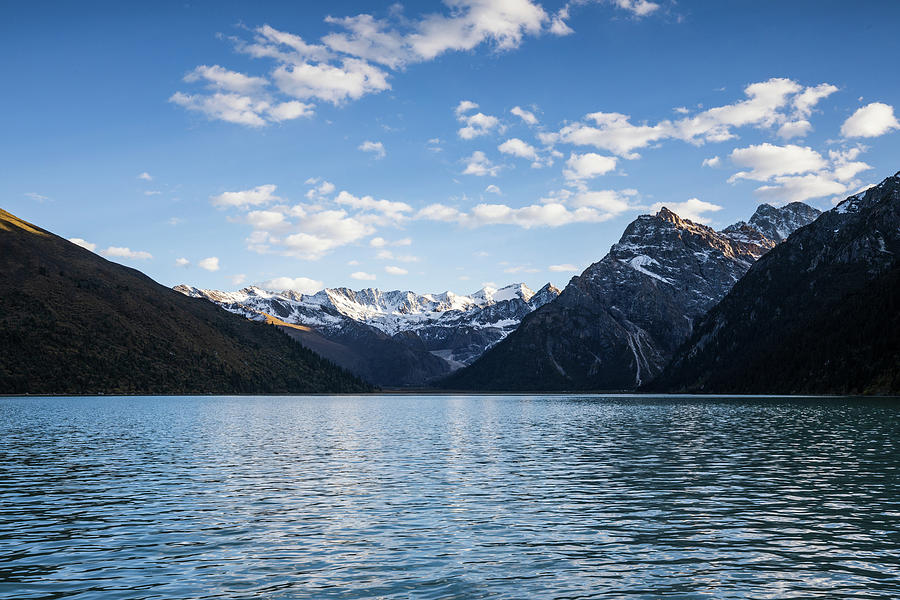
(431, 145)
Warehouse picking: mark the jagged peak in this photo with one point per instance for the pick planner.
(667, 215)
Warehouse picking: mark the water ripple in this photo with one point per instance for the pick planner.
(449, 497)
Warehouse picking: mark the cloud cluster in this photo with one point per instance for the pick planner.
(474, 124)
(237, 98)
(768, 104)
(794, 173)
(311, 230)
(355, 59)
(567, 207)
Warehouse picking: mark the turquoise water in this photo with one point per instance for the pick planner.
(449, 497)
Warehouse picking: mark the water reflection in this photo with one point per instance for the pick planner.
(449, 497)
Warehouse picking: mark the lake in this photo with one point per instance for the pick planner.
(410, 496)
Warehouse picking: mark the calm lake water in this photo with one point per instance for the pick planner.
(449, 497)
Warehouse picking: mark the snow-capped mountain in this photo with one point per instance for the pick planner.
(439, 332)
(617, 324)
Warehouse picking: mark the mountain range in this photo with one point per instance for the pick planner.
(616, 326)
(790, 301)
(72, 322)
(393, 338)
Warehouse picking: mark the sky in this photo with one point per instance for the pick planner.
(429, 146)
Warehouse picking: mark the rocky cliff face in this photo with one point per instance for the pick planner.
(394, 338)
(818, 314)
(616, 325)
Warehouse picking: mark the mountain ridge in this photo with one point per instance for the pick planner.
(819, 314)
(395, 338)
(74, 323)
(615, 326)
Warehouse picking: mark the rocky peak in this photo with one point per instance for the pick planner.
(544, 295)
(778, 223)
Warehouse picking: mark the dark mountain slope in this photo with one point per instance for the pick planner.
(617, 325)
(72, 322)
(818, 314)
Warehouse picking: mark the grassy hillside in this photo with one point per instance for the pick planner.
(73, 322)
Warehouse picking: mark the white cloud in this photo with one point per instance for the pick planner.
(83, 243)
(517, 147)
(615, 133)
(805, 101)
(318, 234)
(363, 276)
(475, 21)
(380, 242)
(797, 174)
(303, 285)
(370, 39)
(152, 193)
(558, 25)
(261, 194)
(566, 268)
(872, 120)
(35, 196)
(145, 176)
(493, 189)
(231, 81)
(265, 219)
(394, 211)
(375, 147)
(292, 109)
(768, 104)
(800, 188)
(351, 80)
(845, 164)
(352, 60)
(392, 270)
(237, 279)
(767, 160)
(639, 8)
(122, 252)
(536, 215)
(464, 106)
(611, 202)
(321, 190)
(692, 209)
(182, 262)
(525, 115)
(233, 108)
(209, 264)
(794, 129)
(715, 161)
(588, 165)
(477, 125)
(479, 164)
